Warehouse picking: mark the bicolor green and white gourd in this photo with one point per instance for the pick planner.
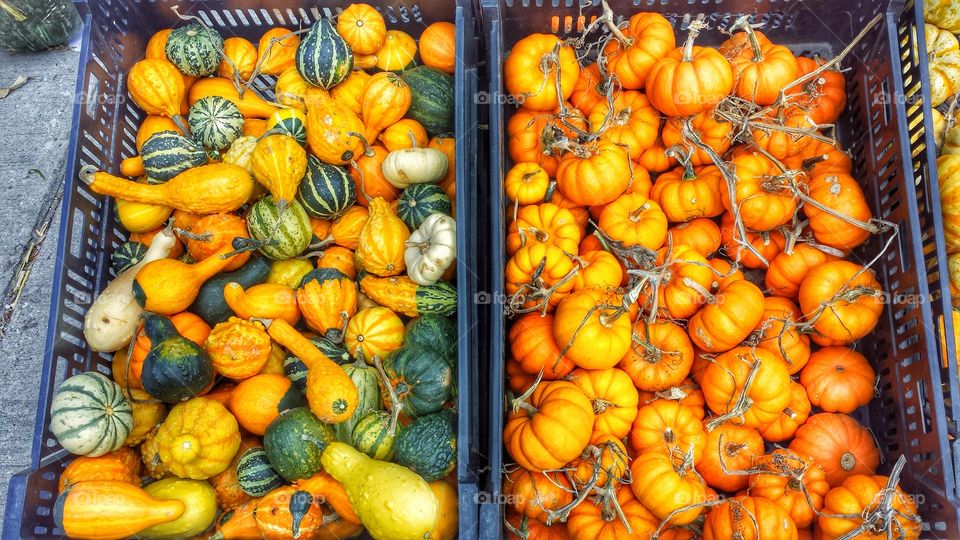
(367, 381)
(167, 153)
(432, 100)
(215, 122)
(282, 236)
(294, 442)
(127, 255)
(292, 122)
(326, 191)
(255, 474)
(323, 58)
(373, 437)
(195, 49)
(89, 415)
(421, 379)
(419, 201)
(428, 446)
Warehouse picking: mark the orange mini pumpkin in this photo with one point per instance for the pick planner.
(526, 81)
(754, 373)
(551, 429)
(593, 328)
(613, 396)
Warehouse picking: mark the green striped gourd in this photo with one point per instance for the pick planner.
(432, 98)
(421, 378)
(286, 235)
(215, 122)
(326, 191)
(89, 415)
(419, 201)
(372, 435)
(368, 396)
(255, 474)
(167, 153)
(405, 297)
(292, 122)
(127, 255)
(195, 49)
(323, 58)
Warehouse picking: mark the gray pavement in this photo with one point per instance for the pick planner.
(34, 137)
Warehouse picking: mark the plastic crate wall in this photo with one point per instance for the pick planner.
(908, 417)
(104, 126)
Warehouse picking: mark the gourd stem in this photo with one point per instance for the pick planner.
(743, 23)
(367, 149)
(395, 405)
(611, 24)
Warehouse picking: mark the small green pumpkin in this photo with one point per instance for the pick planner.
(292, 122)
(166, 154)
(286, 240)
(434, 332)
(419, 201)
(326, 191)
(372, 435)
(432, 99)
(89, 415)
(195, 49)
(428, 446)
(175, 368)
(421, 379)
(294, 442)
(215, 122)
(127, 255)
(323, 58)
(255, 474)
(367, 381)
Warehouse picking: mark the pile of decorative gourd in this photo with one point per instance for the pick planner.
(282, 315)
(943, 55)
(685, 307)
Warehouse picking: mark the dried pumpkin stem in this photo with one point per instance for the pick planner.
(743, 402)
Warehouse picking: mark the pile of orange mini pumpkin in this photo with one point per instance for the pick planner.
(685, 311)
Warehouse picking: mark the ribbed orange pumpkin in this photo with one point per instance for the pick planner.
(728, 317)
(839, 444)
(539, 275)
(535, 350)
(787, 270)
(729, 448)
(701, 234)
(635, 220)
(551, 429)
(778, 333)
(838, 379)
(122, 465)
(669, 428)
(382, 241)
(768, 393)
(535, 494)
(660, 357)
(663, 487)
(748, 518)
(651, 38)
(852, 295)
(544, 223)
(613, 397)
(786, 479)
(793, 416)
(598, 520)
(592, 326)
(595, 176)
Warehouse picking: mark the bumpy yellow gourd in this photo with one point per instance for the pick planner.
(382, 241)
(198, 439)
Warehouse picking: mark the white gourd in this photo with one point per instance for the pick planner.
(115, 313)
(431, 249)
(408, 166)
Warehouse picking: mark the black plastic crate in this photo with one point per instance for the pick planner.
(887, 143)
(104, 129)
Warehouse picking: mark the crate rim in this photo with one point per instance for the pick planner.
(465, 12)
(491, 32)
